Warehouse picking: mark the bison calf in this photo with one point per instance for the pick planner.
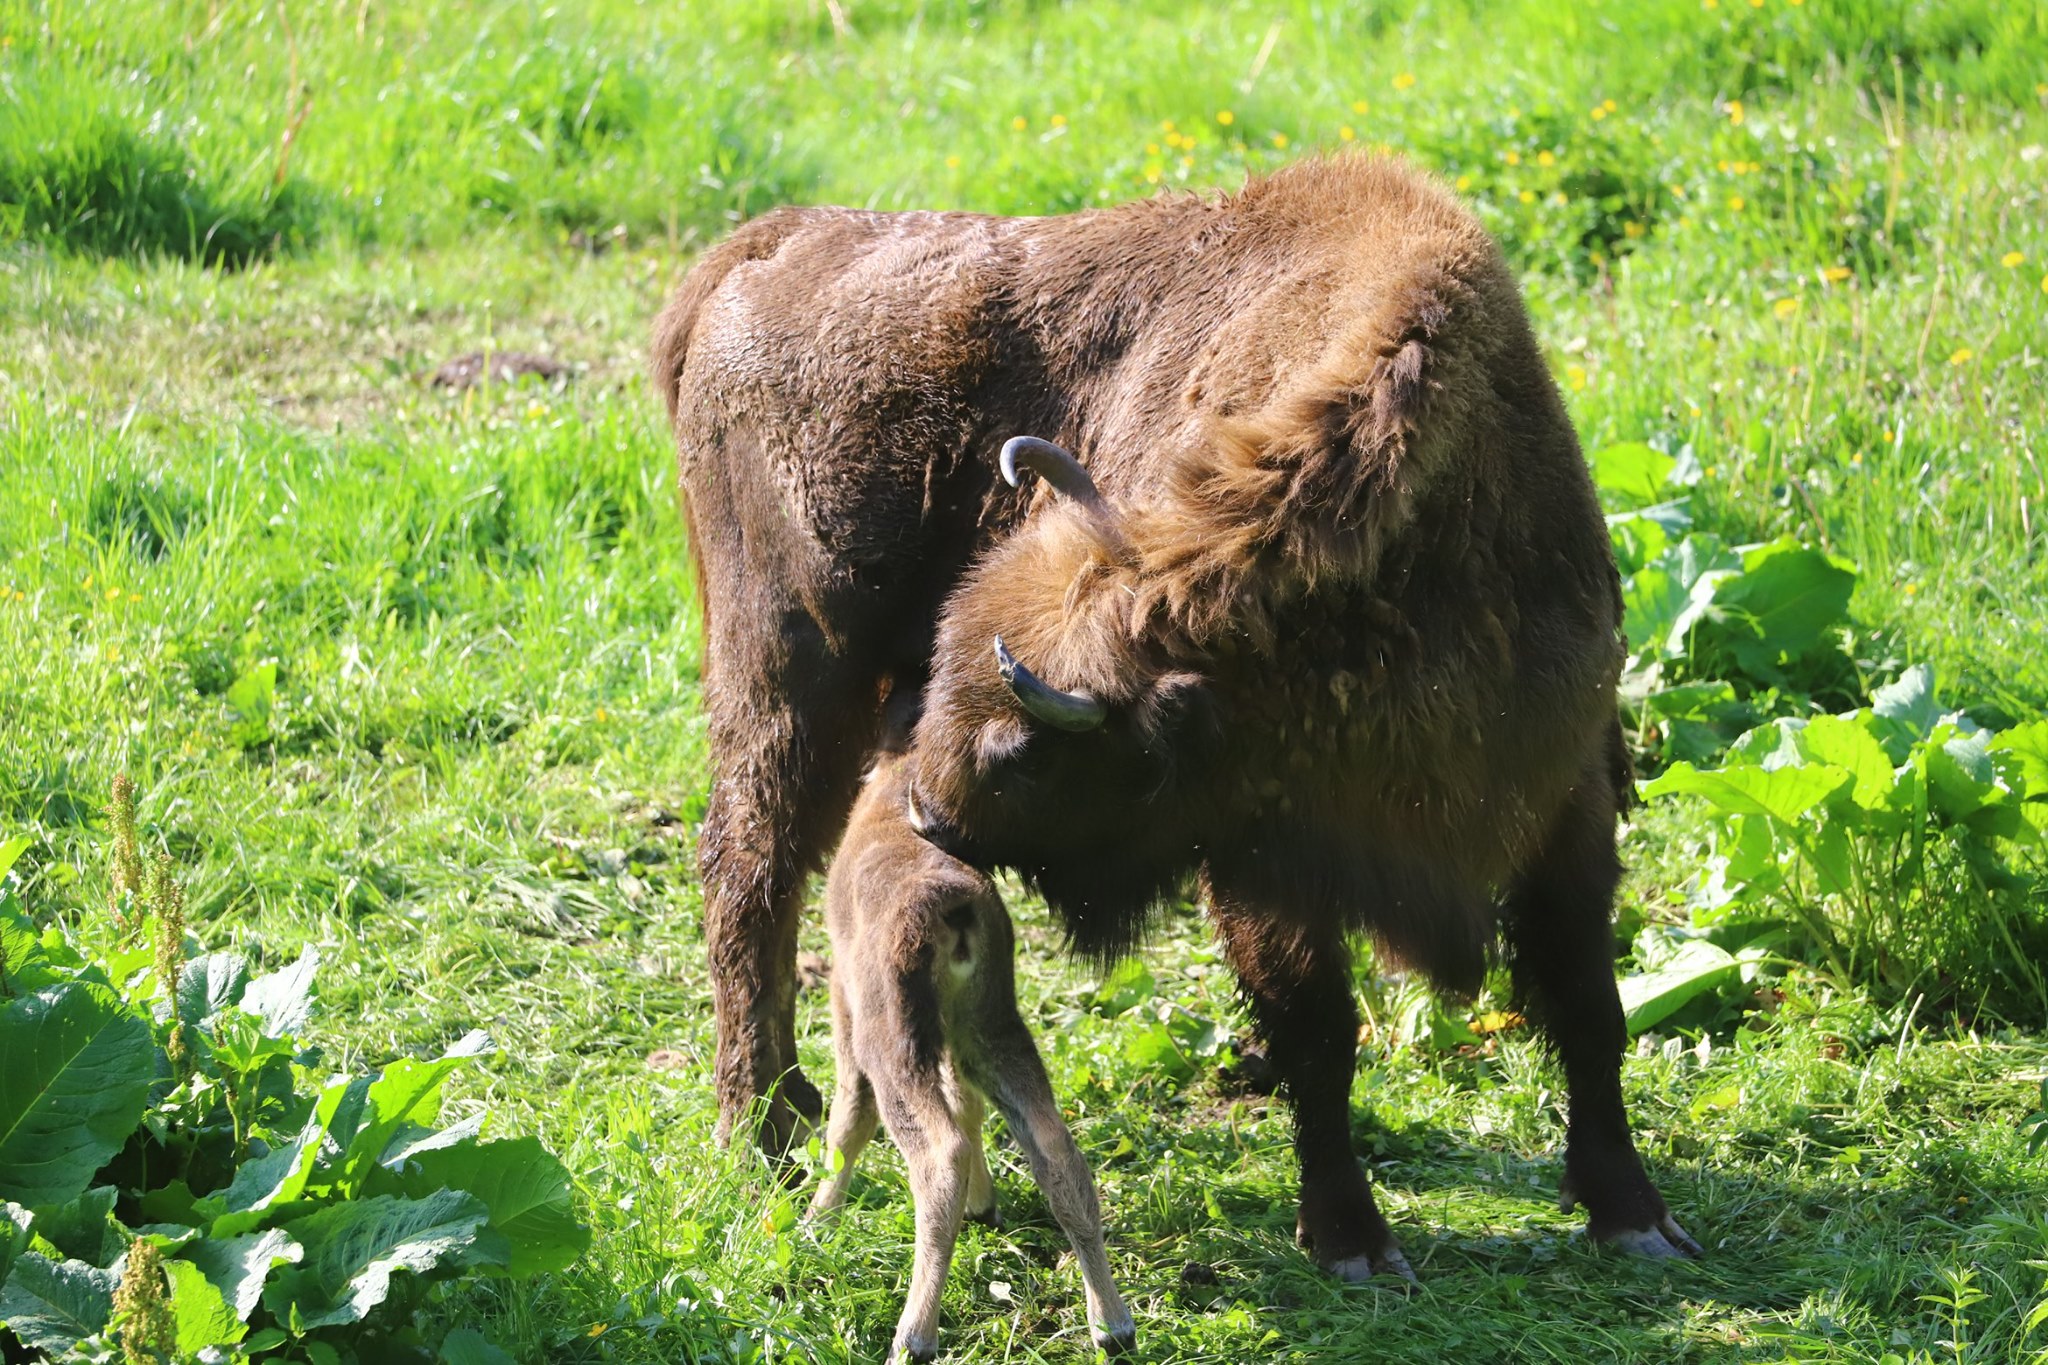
(925, 1025)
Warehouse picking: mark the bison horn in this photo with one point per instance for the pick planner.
(1075, 711)
(1055, 465)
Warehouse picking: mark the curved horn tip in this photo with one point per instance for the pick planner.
(1008, 462)
(1072, 711)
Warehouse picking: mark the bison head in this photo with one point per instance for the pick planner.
(1060, 735)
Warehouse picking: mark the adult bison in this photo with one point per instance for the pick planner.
(1338, 633)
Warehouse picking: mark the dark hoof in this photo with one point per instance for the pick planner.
(1359, 1269)
(1665, 1241)
(990, 1217)
(787, 1118)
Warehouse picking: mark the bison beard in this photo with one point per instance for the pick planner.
(1338, 591)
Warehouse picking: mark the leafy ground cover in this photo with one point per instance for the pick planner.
(408, 676)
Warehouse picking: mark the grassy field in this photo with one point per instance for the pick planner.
(411, 674)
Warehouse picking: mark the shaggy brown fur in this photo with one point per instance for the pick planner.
(1358, 637)
(925, 1027)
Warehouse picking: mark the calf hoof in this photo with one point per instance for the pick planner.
(1664, 1240)
(990, 1217)
(1115, 1339)
(914, 1347)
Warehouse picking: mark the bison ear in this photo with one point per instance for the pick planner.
(1178, 708)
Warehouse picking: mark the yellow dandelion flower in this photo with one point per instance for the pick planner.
(602, 715)
(1405, 81)
(1677, 191)
(1279, 139)
(1610, 106)
(2044, 284)
(1512, 157)
(1735, 114)
(1735, 202)
(113, 594)
(1464, 182)
(1020, 123)
(1961, 356)
(1166, 127)
(1911, 588)
(1152, 175)
(1795, 2)
(1885, 436)
(2012, 258)
(1785, 308)
(1598, 113)
(1225, 117)
(1575, 375)
(1151, 149)
(1546, 158)
(1857, 459)
(87, 585)
(1835, 274)
(1756, 4)
(1345, 134)
(1632, 229)
(1360, 106)
(952, 163)
(1710, 4)
(1527, 196)
(1059, 120)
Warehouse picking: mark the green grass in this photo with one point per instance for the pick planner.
(477, 781)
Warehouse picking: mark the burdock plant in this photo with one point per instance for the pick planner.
(125, 862)
(143, 1321)
(166, 901)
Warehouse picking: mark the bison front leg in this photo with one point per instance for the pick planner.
(1561, 948)
(1298, 983)
(790, 734)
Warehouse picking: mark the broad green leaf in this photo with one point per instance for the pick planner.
(1648, 998)
(526, 1190)
(280, 1176)
(1828, 852)
(1640, 536)
(467, 1346)
(1909, 699)
(78, 1067)
(283, 1000)
(1651, 600)
(413, 1139)
(82, 1230)
(2028, 747)
(1128, 985)
(1782, 794)
(1631, 473)
(1792, 597)
(353, 1250)
(1851, 744)
(251, 697)
(28, 963)
(407, 1093)
(209, 984)
(54, 1305)
(1961, 778)
(14, 1235)
(238, 1266)
(1770, 746)
(203, 1316)
(11, 851)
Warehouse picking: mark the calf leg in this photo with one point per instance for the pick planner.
(921, 1109)
(1298, 982)
(1561, 948)
(854, 1114)
(981, 1182)
(1007, 1062)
